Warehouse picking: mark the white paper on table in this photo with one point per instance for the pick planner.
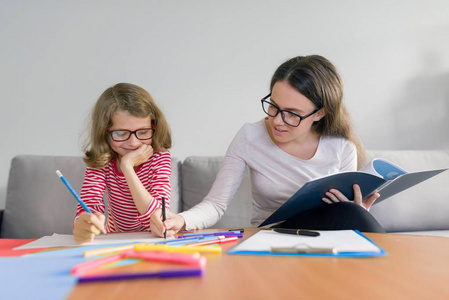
(66, 240)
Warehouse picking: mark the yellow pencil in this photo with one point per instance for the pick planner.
(109, 250)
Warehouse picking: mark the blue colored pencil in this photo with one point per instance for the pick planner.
(176, 241)
(77, 197)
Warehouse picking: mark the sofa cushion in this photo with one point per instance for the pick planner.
(198, 175)
(39, 204)
(421, 207)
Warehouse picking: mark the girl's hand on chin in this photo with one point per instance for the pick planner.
(137, 157)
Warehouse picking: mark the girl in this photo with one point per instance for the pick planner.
(307, 134)
(127, 156)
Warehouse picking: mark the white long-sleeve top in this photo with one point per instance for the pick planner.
(275, 174)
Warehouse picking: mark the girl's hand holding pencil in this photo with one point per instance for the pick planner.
(87, 226)
(170, 226)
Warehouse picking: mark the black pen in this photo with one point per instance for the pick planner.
(163, 216)
(297, 231)
(238, 229)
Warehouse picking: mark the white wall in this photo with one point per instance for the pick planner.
(207, 63)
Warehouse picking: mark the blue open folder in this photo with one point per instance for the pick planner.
(379, 175)
(333, 243)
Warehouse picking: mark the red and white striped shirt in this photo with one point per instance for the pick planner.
(122, 212)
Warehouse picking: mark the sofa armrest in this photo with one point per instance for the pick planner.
(1, 218)
(422, 207)
(37, 204)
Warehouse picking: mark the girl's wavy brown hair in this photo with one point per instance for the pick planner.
(122, 97)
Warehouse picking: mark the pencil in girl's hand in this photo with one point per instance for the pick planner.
(164, 216)
(67, 184)
(77, 197)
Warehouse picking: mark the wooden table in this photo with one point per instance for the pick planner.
(416, 267)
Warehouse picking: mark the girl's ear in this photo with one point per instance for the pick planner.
(153, 126)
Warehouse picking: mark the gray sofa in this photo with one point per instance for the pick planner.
(38, 204)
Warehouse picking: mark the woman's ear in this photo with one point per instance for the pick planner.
(319, 114)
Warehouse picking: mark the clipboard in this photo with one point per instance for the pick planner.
(333, 243)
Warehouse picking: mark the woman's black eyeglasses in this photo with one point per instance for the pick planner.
(289, 118)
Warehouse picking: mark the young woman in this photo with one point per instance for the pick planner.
(307, 134)
(127, 157)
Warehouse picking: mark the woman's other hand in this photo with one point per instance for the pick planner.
(334, 196)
